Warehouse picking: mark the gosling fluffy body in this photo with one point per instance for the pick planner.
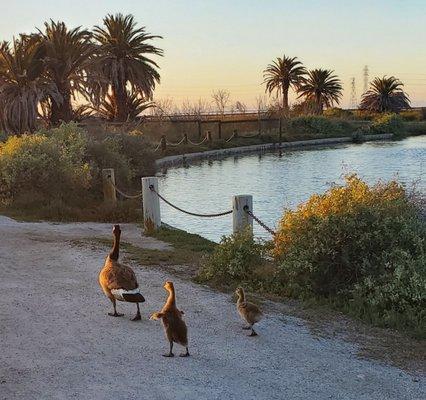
(249, 312)
(174, 326)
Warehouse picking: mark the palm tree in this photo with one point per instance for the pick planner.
(385, 94)
(282, 74)
(135, 106)
(124, 60)
(68, 54)
(23, 85)
(322, 88)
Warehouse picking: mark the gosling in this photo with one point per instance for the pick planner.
(249, 312)
(174, 326)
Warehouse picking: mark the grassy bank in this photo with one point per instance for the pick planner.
(303, 128)
(357, 248)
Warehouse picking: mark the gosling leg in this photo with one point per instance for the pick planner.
(115, 313)
(253, 333)
(137, 317)
(185, 354)
(170, 354)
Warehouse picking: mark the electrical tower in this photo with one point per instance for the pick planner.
(365, 73)
(353, 103)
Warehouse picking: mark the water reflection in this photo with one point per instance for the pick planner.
(282, 179)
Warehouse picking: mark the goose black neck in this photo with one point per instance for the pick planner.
(113, 255)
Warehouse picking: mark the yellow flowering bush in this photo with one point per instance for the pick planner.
(361, 244)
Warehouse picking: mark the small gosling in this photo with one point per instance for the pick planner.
(174, 326)
(249, 312)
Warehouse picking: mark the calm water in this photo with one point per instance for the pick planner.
(281, 181)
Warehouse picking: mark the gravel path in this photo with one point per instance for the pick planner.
(57, 341)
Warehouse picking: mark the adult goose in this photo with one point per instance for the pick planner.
(118, 281)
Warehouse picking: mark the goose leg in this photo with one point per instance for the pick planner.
(185, 354)
(115, 313)
(137, 317)
(170, 354)
(253, 333)
(246, 327)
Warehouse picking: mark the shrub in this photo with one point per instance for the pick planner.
(58, 171)
(318, 125)
(335, 112)
(362, 245)
(411, 115)
(34, 168)
(388, 123)
(233, 260)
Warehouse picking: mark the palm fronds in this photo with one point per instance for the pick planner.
(385, 94)
(321, 87)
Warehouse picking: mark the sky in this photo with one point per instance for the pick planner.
(211, 45)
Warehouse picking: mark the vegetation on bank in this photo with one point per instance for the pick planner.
(56, 173)
(359, 248)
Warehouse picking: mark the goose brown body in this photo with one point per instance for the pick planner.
(249, 312)
(174, 326)
(118, 281)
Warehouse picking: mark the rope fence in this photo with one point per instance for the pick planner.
(242, 205)
(128, 196)
(221, 214)
(262, 224)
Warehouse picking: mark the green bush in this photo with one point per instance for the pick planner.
(388, 123)
(411, 115)
(319, 126)
(234, 260)
(59, 169)
(335, 112)
(361, 247)
(34, 168)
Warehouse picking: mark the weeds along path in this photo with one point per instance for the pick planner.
(57, 341)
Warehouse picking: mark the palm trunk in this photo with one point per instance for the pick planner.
(285, 98)
(120, 96)
(62, 112)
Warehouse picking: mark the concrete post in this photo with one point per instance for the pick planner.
(209, 137)
(151, 205)
(240, 219)
(108, 183)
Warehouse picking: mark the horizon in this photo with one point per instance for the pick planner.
(220, 55)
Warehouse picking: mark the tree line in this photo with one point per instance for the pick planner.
(111, 71)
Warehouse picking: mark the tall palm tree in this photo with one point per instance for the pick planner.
(124, 54)
(322, 88)
(282, 74)
(68, 54)
(23, 85)
(385, 94)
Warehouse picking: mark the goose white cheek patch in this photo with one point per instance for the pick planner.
(118, 293)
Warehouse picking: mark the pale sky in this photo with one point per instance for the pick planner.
(222, 44)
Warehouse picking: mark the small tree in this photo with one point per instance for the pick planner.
(221, 100)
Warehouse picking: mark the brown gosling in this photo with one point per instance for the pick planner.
(249, 312)
(174, 326)
(118, 281)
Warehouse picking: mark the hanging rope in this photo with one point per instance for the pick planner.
(128, 196)
(230, 138)
(246, 209)
(197, 144)
(176, 144)
(189, 212)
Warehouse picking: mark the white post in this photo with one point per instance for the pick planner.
(240, 219)
(151, 205)
(108, 182)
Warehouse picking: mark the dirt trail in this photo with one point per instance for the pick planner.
(57, 341)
